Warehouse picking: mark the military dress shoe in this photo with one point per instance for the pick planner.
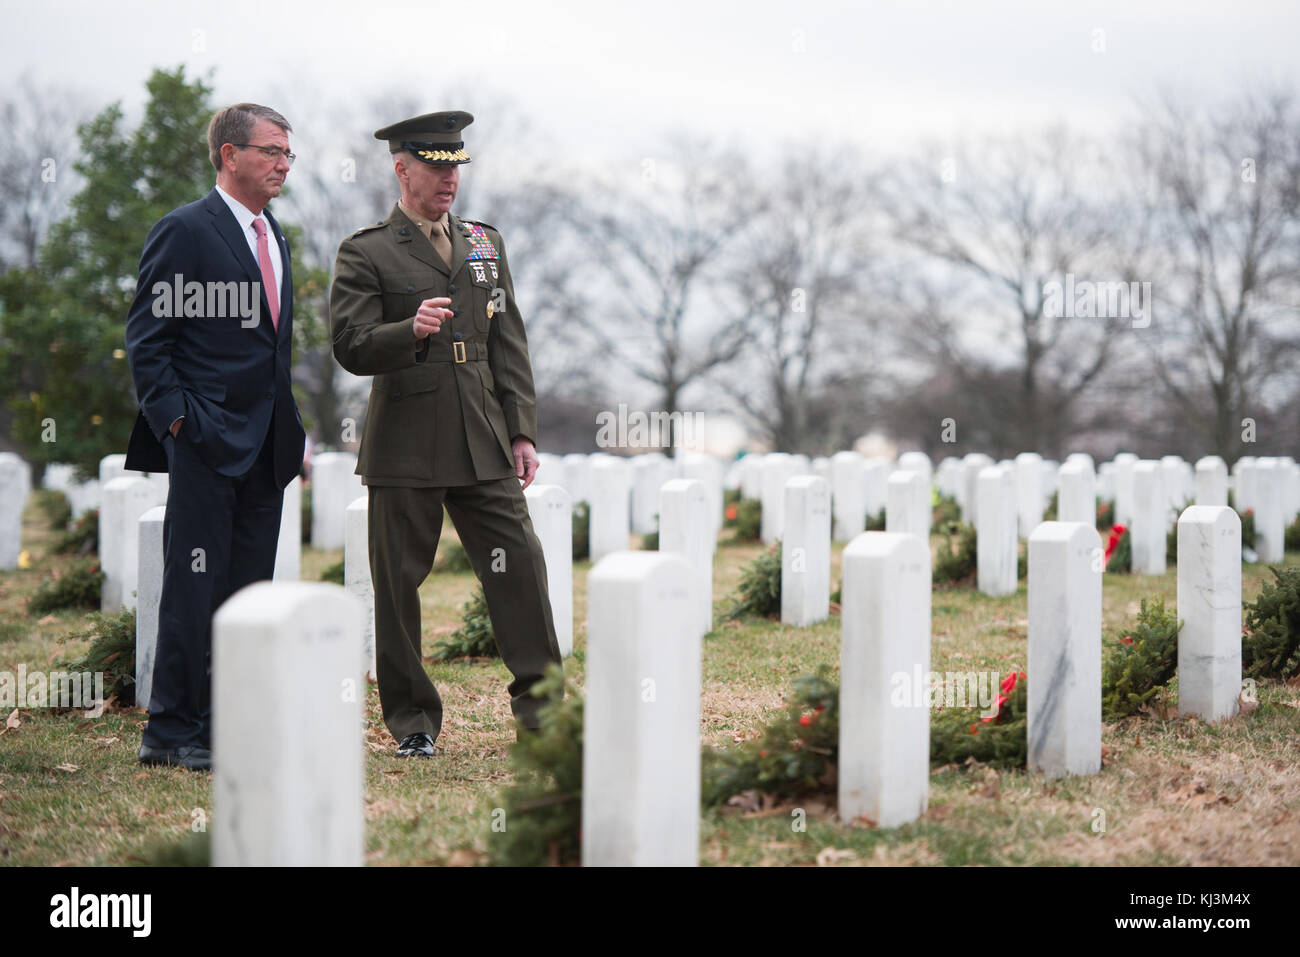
(190, 757)
(418, 745)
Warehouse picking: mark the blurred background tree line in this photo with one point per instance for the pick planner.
(814, 295)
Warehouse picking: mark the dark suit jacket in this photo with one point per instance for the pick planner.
(196, 352)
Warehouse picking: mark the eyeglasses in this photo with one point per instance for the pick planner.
(273, 152)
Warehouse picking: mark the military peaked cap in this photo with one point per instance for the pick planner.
(433, 138)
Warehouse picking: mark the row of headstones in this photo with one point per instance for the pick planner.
(641, 736)
(642, 711)
(134, 561)
(1011, 497)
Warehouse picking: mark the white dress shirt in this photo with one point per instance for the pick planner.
(245, 217)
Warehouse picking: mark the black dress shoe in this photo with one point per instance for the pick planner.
(418, 745)
(190, 757)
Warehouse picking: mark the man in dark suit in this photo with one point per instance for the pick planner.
(423, 301)
(209, 337)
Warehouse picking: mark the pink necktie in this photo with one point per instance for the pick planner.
(268, 272)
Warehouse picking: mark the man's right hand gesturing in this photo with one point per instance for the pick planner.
(430, 316)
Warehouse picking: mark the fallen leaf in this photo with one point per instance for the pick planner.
(66, 767)
(815, 807)
(104, 742)
(747, 802)
(939, 812)
(830, 856)
(396, 772)
(47, 620)
(13, 721)
(992, 785)
(463, 857)
(1247, 705)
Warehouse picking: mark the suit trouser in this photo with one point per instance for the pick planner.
(492, 521)
(236, 524)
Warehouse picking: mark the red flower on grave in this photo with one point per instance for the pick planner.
(732, 512)
(1126, 640)
(1009, 683)
(820, 708)
(975, 728)
(806, 720)
(762, 754)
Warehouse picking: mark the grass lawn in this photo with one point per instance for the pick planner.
(1170, 791)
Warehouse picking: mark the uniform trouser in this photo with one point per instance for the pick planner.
(219, 534)
(405, 524)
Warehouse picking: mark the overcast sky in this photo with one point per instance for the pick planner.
(604, 76)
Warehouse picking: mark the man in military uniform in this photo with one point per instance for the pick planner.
(423, 301)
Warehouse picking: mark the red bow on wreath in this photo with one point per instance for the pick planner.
(1116, 533)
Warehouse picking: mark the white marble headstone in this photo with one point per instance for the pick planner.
(288, 550)
(609, 521)
(551, 510)
(1209, 605)
(884, 765)
(334, 485)
(15, 484)
(149, 595)
(641, 718)
(1064, 672)
(356, 574)
(996, 555)
(287, 693)
(806, 551)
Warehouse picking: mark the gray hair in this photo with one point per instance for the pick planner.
(235, 124)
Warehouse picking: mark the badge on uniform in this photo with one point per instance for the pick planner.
(480, 274)
(481, 246)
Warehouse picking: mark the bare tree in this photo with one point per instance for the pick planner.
(803, 282)
(655, 248)
(38, 145)
(1220, 193)
(1009, 219)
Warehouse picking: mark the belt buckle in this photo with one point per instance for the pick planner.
(458, 351)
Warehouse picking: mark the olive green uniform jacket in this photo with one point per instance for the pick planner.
(433, 421)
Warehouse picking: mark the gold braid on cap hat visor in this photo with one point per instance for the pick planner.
(443, 155)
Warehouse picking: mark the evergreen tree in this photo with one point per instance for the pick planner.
(62, 324)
